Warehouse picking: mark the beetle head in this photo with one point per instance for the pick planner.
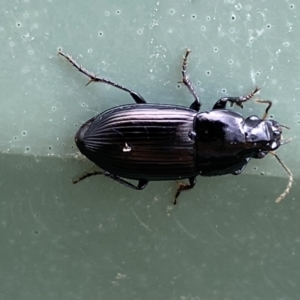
(263, 135)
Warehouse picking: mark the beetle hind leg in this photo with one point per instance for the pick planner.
(186, 81)
(86, 175)
(142, 183)
(93, 78)
(184, 187)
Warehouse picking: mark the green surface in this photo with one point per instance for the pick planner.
(226, 239)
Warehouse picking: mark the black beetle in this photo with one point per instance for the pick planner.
(151, 142)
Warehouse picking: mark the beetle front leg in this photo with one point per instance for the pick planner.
(221, 103)
(269, 102)
(186, 81)
(184, 187)
(93, 78)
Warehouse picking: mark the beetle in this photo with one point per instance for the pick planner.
(154, 142)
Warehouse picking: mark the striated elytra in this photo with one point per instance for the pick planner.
(152, 142)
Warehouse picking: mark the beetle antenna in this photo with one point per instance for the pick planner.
(283, 126)
(290, 183)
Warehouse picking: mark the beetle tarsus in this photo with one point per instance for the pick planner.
(186, 81)
(250, 95)
(93, 78)
(184, 187)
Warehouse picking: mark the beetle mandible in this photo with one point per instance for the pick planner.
(152, 142)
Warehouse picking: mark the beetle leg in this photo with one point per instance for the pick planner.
(184, 187)
(141, 184)
(269, 102)
(186, 81)
(93, 78)
(290, 183)
(221, 103)
(86, 175)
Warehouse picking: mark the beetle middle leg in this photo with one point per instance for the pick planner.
(184, 187)
(221, 103)
(186, 81)
(93, 78)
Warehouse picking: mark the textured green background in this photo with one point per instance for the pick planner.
(226, 239)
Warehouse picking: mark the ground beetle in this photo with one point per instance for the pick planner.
(151, 142)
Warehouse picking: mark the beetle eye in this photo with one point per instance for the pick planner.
(276, 132)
